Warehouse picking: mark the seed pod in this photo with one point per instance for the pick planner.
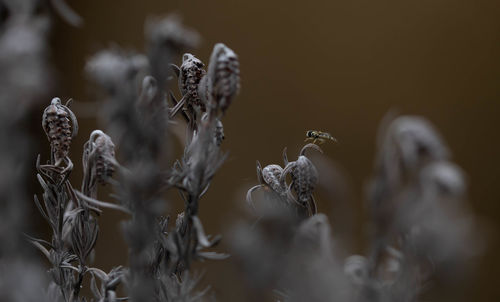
(223, 82)
(56, 124)
(191, 72)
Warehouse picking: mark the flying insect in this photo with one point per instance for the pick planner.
(319, 136)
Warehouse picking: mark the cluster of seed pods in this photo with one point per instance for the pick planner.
(304, 179)
(56, 124)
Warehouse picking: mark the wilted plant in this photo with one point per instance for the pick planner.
(416, 197)
(419, 221)
(138, 117)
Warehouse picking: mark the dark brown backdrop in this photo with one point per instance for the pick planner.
(333, 65)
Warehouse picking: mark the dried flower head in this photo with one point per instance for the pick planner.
(222, 82)
(169, 32)
(269, 177)
(56, 120)
(191, 72)
(99, 152)
(167, 37)
(111, 68)
(406, 144)
(304, 179)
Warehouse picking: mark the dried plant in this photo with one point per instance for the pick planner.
(137, 117)
(160, 255)
(419, 216)
(417, 195)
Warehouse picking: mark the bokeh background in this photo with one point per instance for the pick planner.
(331, 65)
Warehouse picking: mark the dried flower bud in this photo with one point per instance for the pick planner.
(169, 32)
(56, 124)
(271, 175)
(99, 156)
(304, 180)
(222, 82)
(414, 141)
(191, 72)
(406, 145)
(167, 38)
(105, 155)
(112, 68)
(304, 177)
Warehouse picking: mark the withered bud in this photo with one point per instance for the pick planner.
(271, 176)
(114, 67)
(191, 72)
(222, 82)
(414, 141)
(56, 124)
(304, 177)
(99, 156)
(170, 33)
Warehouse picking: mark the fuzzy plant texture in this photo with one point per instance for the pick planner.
(419, 217)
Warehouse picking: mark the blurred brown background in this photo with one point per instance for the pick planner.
(331, 65)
